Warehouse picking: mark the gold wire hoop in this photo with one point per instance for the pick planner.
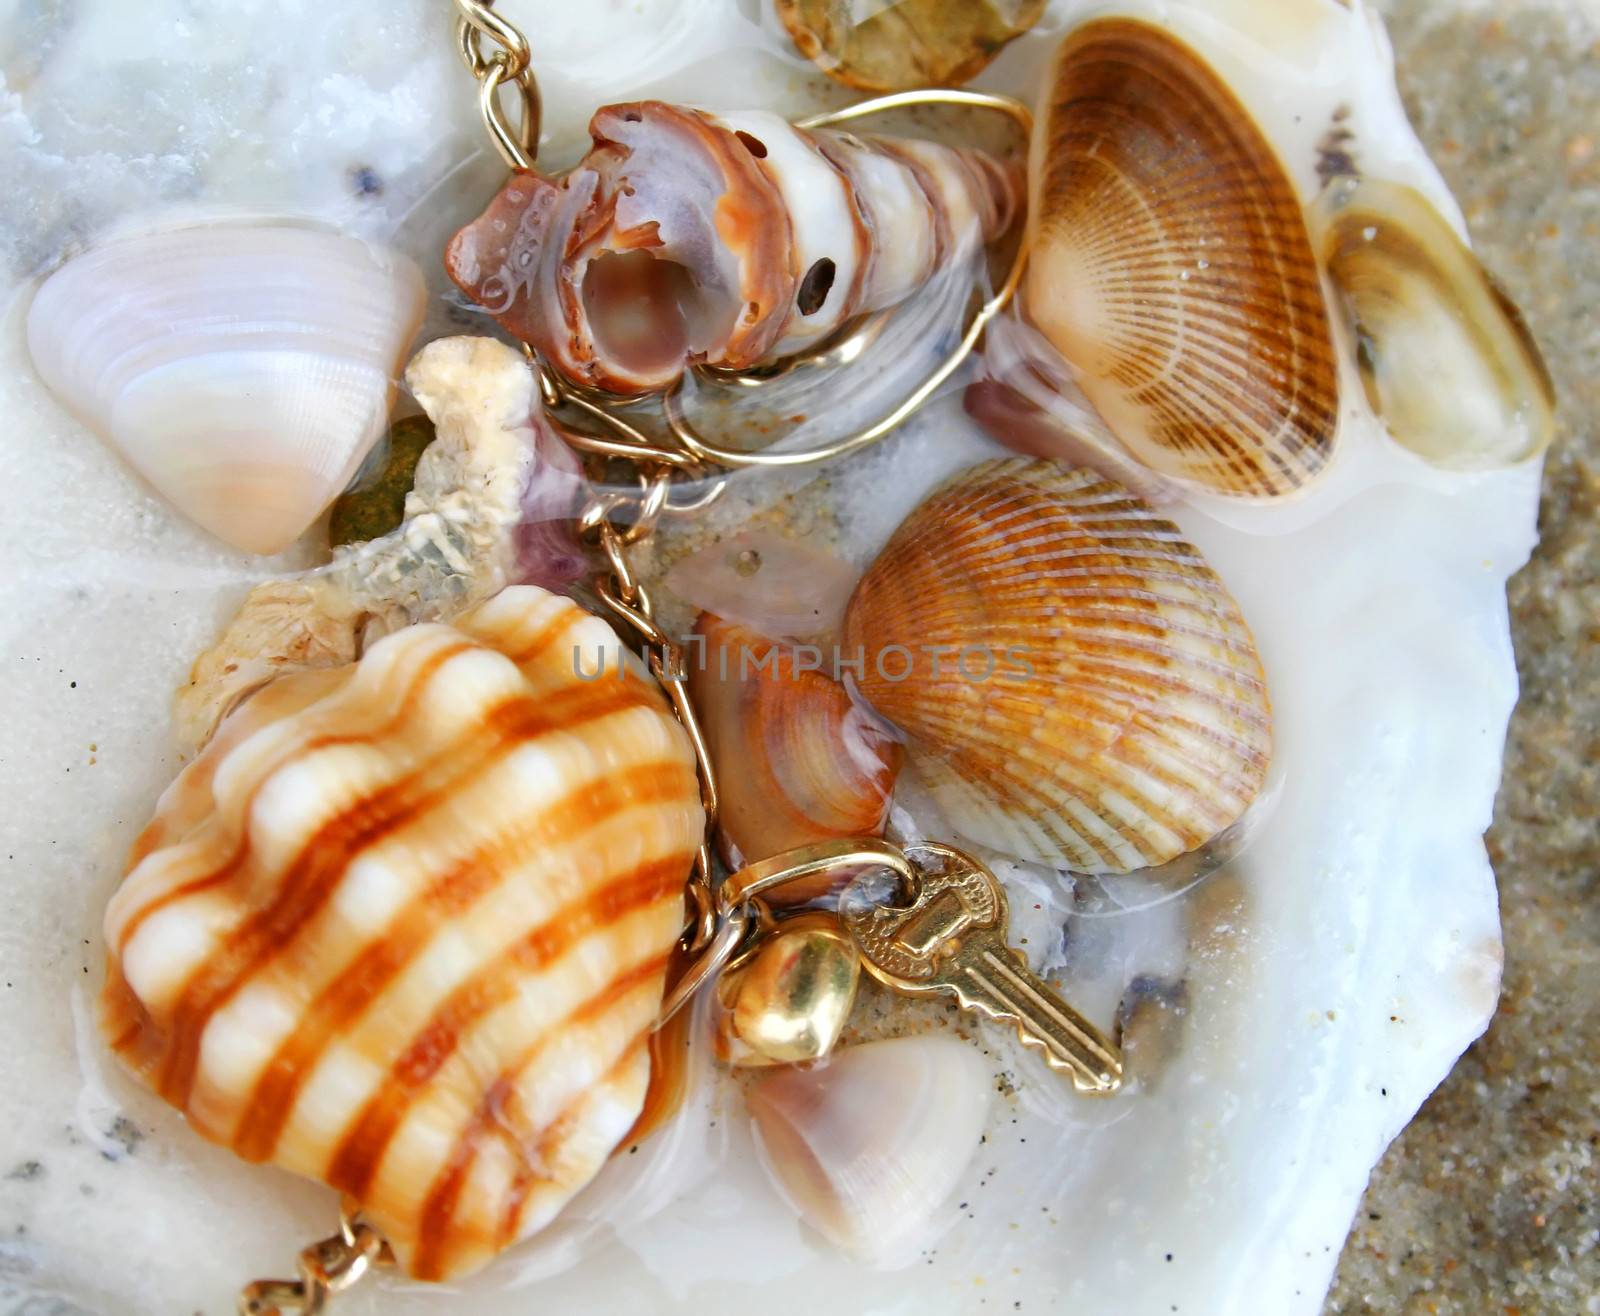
(476, 20)
(704, 450)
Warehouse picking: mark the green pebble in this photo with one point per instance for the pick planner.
(376, 503)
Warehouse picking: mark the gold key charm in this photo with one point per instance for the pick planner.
(951, 938)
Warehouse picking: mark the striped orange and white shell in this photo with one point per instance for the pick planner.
(1172, 267)
(1076, 684)
(403, 926)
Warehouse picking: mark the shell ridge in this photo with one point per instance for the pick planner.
(309, 881)
(302, 895)
(1130, 719)
(268, 751)
(360, 987)
(436, 1218)
(1168, 340)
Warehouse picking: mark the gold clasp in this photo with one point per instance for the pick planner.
(740, 903)
(327, 1267)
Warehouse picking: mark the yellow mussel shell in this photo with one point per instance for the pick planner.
(1445, 357)
(902, 44)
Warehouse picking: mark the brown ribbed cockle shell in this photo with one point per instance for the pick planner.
(403, 926)
(1076, 684)
(1171, 265)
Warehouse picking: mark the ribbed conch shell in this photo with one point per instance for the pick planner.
(1076, 684)
(725, 239)
(244, 370)
(403, 927)
(869, 1147)
(1445, 357)
(1172, 267)
(461, 542)
(796, 760)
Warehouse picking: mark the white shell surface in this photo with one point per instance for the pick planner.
(819, 212)
(243, 369)
(1387, 596)
(869, 1146)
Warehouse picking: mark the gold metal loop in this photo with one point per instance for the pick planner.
(651, 505)
(327, 1267)
(740, 904)
(796, 865)
(839, 349)
(763, 924)
(683, 706)
(714, 490)
(706, 965)
(701, 925)
(628, 449)
(632, 613)
(476, 19)
(630, 444)
(904, 100)
(511, 63)
(596, 514)
(706, 451)
(622, 577)
(518, 147)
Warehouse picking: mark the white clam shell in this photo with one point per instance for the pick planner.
(869, 1147)
(244, 369)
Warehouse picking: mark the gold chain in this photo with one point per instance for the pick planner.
(330, 1266)
(720, 919)
(511, 64)
(622, 594)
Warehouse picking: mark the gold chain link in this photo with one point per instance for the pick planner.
(620, 591)
(330, 1266)
(512, 63)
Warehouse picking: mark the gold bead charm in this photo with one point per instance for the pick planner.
(791, 1001)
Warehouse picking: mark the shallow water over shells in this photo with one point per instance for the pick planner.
(1332, 972)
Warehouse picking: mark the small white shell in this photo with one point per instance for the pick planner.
(870, 1147)
(243, 369)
